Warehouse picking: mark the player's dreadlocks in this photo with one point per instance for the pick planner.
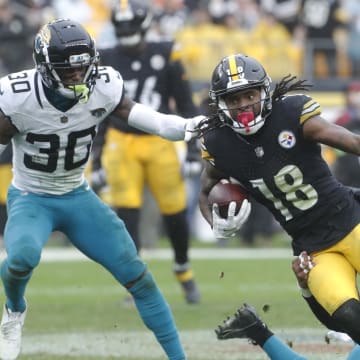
(286, 84)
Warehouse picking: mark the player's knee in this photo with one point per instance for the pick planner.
(348, 317)
(141, 285)
(24, 258)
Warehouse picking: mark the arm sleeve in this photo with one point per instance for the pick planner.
(171, 127)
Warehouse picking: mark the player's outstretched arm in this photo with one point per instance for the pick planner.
(168, 126)
(322, 131)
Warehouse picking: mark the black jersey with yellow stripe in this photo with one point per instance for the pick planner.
(152, 77)
(287, 174)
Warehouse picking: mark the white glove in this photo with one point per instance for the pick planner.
(98, 180)
(191, 169)
(224, 228)
(192, 129)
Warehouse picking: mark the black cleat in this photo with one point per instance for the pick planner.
(239, 325)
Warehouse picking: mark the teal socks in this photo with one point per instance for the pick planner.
(278, 350)
(157, 316)
(14, 286)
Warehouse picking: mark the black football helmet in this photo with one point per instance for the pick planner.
(64, 44)
(235, 73)
(131, 20)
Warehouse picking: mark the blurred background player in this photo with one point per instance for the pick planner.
(5, 179)
(153, 75)
(346, 167)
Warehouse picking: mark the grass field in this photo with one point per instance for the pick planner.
(76, 309)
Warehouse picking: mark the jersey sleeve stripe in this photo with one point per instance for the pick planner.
(205, 154)
(310, 109)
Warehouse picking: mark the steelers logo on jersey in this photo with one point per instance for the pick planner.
(287, 139)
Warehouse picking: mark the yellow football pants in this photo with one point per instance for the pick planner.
(5, 180)
(132, 161)
(333, 279)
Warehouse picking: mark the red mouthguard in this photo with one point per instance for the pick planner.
(244, 119)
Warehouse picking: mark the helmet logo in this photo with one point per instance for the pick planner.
(287, 139)
(42, 39)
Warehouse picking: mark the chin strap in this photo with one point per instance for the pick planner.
(244, 119)
(81, 92)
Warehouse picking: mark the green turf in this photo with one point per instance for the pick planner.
(90, 297)
(80, 297)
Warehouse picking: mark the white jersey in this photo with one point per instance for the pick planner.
(52, 147)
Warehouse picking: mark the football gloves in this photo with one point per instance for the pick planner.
(192, 165)
(226, 227)
(193, 127)
(191, 168)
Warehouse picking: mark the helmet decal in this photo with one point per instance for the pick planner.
(235, 73)
(42, 39)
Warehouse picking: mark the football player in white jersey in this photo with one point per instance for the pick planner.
(51, 114)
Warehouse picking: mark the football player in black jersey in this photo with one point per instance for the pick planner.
(270, 143)
(153, 75)
(5, 180)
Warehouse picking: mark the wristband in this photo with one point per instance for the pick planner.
(306, 293)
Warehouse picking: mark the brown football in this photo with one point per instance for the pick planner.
(225, 192)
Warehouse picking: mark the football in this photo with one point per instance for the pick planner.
(225, 192)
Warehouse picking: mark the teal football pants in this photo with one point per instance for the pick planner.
(97, 232)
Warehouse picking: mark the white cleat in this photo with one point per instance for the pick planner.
(10, 333)
(339, 337)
